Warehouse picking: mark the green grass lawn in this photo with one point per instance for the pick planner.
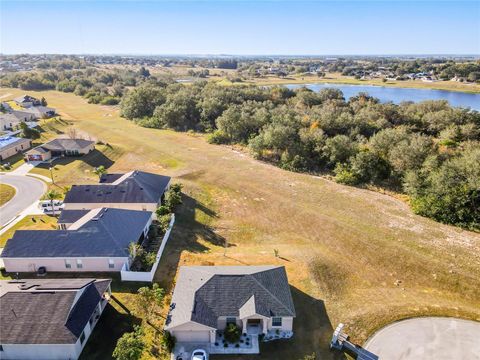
(12, 162)
(34, 222)
(7, 192)
(352, 255)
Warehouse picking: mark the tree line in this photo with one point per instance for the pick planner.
(428, 150)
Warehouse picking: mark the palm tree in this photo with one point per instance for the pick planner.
(100, 170)
(52, 195)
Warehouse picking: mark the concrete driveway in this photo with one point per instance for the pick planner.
(28, 191)
(427, 339)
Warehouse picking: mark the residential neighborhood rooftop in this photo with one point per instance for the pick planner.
(133, 187)
(71, 216)
(42, 311)
(7, 140)
(204, 293)
(100, 232)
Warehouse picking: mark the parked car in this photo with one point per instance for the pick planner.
(199, 354)
(46, 206)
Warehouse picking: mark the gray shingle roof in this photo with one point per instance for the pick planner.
(44, 315)
(204, 293)
(107, 234)
(139, 187)
(71, 216)
(67, 144)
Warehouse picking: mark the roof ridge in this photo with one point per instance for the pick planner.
(268, 291)
(76, 303)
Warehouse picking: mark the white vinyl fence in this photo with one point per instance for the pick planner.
(147, 276)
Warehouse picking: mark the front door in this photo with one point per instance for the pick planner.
(254, 326)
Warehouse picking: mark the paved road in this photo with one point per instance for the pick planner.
(28, 189)
(427, 339)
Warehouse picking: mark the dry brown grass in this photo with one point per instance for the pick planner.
(344, 248)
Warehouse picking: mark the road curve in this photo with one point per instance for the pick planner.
(28, 190)
(429, 338)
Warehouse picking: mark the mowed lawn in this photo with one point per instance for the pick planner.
(34, 222)
(352, 255)
(7, 192)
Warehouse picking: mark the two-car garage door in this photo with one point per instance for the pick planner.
(192, 336)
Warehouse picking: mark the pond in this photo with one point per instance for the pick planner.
(397, 95)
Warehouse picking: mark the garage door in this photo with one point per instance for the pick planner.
(192, 336)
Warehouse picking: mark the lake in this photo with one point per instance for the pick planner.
(397, 95)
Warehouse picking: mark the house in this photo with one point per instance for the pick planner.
(135, 190)
(97, 241)
(49, 319)
(208, 298)
(12, 145)
(60, 147)
(10, 120)
(27, 101)
(40, 112)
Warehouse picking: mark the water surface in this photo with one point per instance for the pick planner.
(397, 95)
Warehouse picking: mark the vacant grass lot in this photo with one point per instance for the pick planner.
(352, 255)
(7, 192)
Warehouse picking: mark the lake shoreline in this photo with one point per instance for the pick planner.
(398, 94)
(394, 84)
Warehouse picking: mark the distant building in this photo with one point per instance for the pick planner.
(60, 147)
(11, 145)
(49, 319)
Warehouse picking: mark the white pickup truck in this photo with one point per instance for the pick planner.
(46, 206)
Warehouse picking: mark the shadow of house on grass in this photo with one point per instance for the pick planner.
(111, 326)
(185, 235)
(312, 332)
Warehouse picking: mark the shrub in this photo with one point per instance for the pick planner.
(344, 175)
(168, 341)
(162, 210)
(130, 346)
(232, 333)
(173, 197)
(218, 137)
(164, 222)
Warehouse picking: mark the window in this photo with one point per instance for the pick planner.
(111, 263)
(276, 321)
(68, 264)
(79, 264)
(231, 320)
(82, 337)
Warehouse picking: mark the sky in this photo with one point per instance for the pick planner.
(268, 27)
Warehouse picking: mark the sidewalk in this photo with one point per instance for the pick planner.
(24, 170)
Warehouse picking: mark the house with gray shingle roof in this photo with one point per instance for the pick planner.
(208, 298)
(97, 240)
(135, 190)
(60, 147)
(48, 319)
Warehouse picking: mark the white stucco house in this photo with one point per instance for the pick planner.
(96, 240)
(135, 190)
(207, 298)
(49, 319)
